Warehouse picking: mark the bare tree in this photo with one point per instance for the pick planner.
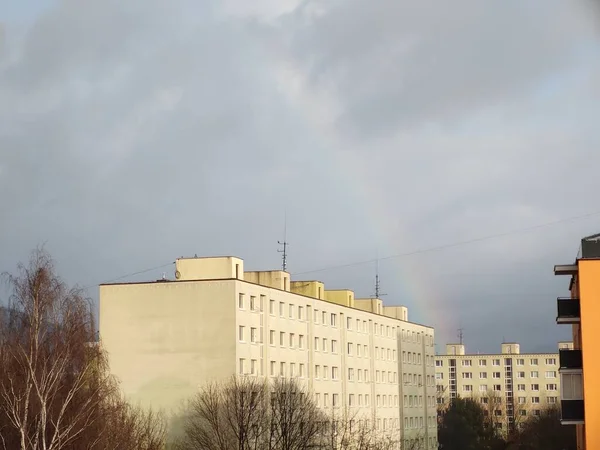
(295, 422)
(55, 388)
(225, 416)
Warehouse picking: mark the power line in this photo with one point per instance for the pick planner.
(454, 244)
(131, 275)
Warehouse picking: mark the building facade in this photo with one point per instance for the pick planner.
(166, 338)
(580, 366)
(510, 385)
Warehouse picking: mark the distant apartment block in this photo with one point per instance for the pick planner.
(167, 338)
(580, 366)
(510, 385)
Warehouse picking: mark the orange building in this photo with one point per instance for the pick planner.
(580, 367)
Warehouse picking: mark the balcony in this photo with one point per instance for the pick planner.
(565, 269)
(572, 412)
(570, 360)
(568, 310)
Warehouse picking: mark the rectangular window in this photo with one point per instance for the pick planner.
(291, 311)
(316, 316)
(351, 400)
(291, 340)
(550, 361)
(300, 312)
(482, 375)
(242, 364)
(241, 301)
(252, 334)
(520, 387)
(535, 400)
(535, 387)
(439, 363)
(324, 318)
(520, 374)
(496, 375)
(551, 387)
(281, 338)
(317, 371)
(333, 320)
(466, 363)
(282, 369)
(533, 361)
(241, 333)
(520, 362)
(272, 307)
(253, 366)
(483, 388)
(300, 341)
(550, 374)
(482, 363)
(273, 366)
(316, 344)
(467, 388)
(333, 346)
(292, 369)
(495, 362)
(325, 372)
(350, 348)
(467, 375)
(552, 400)
(534, 374)
(349, 323)
(497, 387)
(272, 337)
(252, 303)
(336, 400)
(521, 400)
(281, 309)
(324, 344)
(351, 374)
(334, 373)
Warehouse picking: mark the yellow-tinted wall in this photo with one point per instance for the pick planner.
(277, 279)
(343, 297)
(159, 343)
(209, 268)
(589, 295)
(314, 289)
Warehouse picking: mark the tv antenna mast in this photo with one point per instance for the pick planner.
(284, 244)
(378, 293)
(460, 336)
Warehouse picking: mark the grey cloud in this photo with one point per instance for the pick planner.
(132, 133)
(396, 64)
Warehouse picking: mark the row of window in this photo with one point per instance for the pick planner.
(416, 338)
(415, 401)
(498, 375)
(411, 358)
(496, 362)
(324, 318)
(520, 387)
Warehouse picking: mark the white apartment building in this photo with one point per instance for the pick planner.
(166, 338)
(510, 385)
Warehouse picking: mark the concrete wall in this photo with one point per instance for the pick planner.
(209, 268)
(161, 345)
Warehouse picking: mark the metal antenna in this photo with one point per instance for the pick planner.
(460, 336)
(378, 293)
(284, 243)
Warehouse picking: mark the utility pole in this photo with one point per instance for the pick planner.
(284, 244)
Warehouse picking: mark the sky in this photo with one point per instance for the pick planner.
(456, 142)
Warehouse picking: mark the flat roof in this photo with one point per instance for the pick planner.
(158, 282)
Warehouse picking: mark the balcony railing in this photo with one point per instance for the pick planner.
(569, 310)
(572, 412)
(570, 359)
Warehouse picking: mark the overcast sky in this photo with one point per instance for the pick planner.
(134, 132)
